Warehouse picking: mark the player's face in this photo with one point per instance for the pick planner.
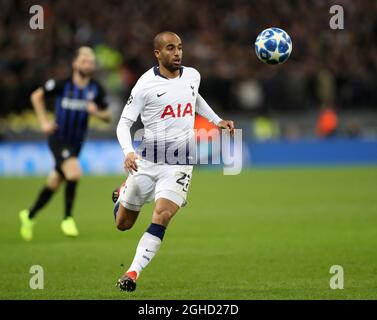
(170, 54)
(85, 64)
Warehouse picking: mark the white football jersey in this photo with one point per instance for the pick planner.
(167, 109)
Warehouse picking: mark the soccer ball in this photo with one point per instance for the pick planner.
(273, 46)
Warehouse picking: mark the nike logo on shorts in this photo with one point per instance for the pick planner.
(161, 94)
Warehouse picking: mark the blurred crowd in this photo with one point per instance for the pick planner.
(336, 67)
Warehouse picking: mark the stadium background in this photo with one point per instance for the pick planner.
(317, 109)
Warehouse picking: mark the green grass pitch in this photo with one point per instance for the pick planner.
(264, 234)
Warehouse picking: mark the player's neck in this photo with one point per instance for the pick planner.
(79, 80)
(168, 74)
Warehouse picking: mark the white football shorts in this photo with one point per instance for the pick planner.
(154, 181)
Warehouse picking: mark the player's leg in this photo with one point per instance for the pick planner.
(125, 214)
(150, 242)
(72, 173)
(52, 185)
(125, 218)
(137, 190)
(170, 194)
(164, 211)
(132, 195)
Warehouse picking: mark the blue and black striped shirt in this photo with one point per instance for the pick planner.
(71, 114)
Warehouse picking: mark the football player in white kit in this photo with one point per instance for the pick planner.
(167, 98)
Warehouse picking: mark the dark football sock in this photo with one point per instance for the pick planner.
(70, 191)
(43, 197)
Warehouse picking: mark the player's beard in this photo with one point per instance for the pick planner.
(172, 67)
(85, 74)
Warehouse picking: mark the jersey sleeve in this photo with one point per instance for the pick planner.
(124, 135)
(101, 98)
(205, 110)
(135, 103)
(52, 87)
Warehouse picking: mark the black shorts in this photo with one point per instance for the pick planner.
(62, 151)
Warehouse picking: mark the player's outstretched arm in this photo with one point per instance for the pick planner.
(38, 101)
(206, 111)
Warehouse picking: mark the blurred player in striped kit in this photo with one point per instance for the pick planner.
(76, 98)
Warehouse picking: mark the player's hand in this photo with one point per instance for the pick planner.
(92, 108)
(227, 124)
(49, 127)
(130, 162)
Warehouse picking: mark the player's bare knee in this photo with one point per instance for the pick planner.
(54, 181)
(72, 170)
(53, 186)
(124, 225)
(73, 175)
(125, 219)
(121, 227)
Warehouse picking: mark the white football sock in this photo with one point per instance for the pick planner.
(145, 251)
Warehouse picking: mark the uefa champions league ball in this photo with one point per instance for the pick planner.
(273, 46)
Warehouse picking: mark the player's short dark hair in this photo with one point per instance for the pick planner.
(157, 41)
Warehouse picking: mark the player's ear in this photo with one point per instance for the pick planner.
(156, 53)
